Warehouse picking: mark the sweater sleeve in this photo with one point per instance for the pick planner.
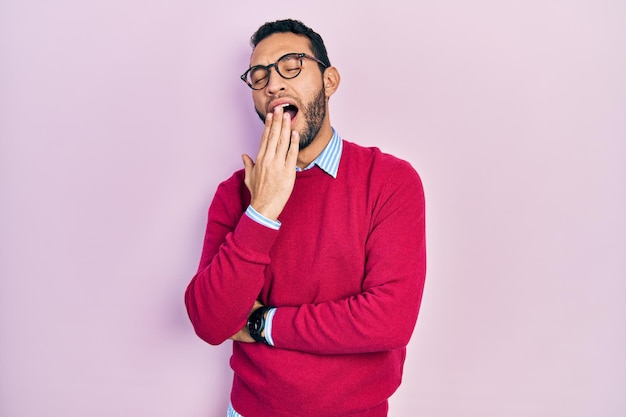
(382, 317)
(231, 271)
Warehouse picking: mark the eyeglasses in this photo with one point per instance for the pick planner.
(288, 66)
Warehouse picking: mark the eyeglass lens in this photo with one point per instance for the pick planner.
(288, 67)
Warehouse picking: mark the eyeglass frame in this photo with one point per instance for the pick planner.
(268, 68)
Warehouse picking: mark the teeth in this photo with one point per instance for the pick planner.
(284, 106)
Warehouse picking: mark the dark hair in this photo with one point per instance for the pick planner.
(298, 28)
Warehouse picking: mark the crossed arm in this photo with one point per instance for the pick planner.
(379, 318)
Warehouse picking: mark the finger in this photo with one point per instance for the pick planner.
(264, 137)
(275, 129)
(285, 135)
(292, 153)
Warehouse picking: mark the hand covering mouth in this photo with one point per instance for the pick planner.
(291, 109)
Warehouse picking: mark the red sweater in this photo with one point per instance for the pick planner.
(346, 271)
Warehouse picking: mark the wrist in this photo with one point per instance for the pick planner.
(257, 324)
(261, 219)
(266, 210)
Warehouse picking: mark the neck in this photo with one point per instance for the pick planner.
(308, 154)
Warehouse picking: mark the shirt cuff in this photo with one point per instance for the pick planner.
(261, 219)
(268, 326)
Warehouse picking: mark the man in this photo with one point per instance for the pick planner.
(314, 255)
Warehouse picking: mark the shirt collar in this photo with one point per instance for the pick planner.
(328, 159)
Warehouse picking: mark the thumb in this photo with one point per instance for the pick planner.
(247, 163)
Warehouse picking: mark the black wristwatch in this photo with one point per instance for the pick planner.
(256, 323)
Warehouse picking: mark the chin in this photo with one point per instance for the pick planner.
(307, 136)
(304, 144)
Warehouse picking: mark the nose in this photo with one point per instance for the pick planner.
(275, 83)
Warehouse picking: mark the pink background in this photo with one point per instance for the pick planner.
(119, 118)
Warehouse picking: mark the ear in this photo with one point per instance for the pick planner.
(331, 81)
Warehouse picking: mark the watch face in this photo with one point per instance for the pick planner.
(256, 322)
(255, 326)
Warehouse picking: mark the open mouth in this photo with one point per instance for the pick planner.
(291, 109)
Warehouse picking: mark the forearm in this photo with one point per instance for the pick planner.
(233, 263)
(220, 296)
(382, 315)
(379, 319)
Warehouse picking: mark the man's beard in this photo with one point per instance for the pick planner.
(314, 112)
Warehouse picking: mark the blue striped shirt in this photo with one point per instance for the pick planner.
(328, 161)
(231, 412)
